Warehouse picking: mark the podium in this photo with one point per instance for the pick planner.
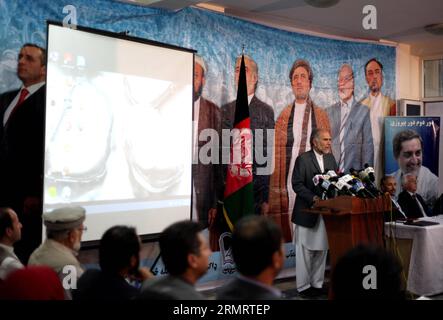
(351, 221)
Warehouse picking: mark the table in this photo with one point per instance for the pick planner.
(425, 274)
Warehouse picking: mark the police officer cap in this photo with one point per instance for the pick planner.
(64, 218)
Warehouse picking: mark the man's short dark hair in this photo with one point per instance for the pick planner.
(117, 246)
(304, 64)
(178, 241)
(5, 221)
(375, 60)
(254, 240)
(42, 50)
(403, 136)
(347, 278)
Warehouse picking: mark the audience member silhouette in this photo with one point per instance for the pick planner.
(119, 259)
(258, 255)
(185, 253)
(367, 272)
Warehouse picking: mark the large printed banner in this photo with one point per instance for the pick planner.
(412, 146)
(343, 86)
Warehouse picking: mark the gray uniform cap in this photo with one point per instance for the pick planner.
(66, 218)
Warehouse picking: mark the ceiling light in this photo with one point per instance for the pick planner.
(435, 28)
(322, 3)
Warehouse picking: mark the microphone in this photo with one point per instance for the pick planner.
(343, 187)
(347, 178)
(317, 179)
(364, 176)
(332, 173)
(370, 171)
(360, 189)
(353, 172)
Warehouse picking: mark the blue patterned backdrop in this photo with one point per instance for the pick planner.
(219, 39)
(216, 37)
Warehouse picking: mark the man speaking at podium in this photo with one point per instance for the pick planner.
(311, 242)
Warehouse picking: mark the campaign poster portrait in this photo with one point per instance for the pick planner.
(412, 146)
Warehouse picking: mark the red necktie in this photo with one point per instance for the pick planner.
(23, 93)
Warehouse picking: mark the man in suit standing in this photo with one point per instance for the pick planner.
(380, 106)
(21, 146)
(311, 242)
(262, 117)
(351, 130)
(410, 201)
(207, 179)
(258, 255)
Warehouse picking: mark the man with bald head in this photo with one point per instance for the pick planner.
(352, 144)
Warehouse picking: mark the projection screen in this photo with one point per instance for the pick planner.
(118, 137)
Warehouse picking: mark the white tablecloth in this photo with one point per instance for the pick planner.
(426, 266)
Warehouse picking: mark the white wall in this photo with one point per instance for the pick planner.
(436, 109)
(408, 74)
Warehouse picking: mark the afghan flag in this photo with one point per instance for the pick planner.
(239, 193)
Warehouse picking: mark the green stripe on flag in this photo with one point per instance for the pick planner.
(239, 204)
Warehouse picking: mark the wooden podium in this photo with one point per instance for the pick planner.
(350, 221)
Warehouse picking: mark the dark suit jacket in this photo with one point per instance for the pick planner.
(262, 117)
(239, 289)
(207, 177)
(410, 206)
(98, 285)
(438, 206)
(359, 148)
(21, 165)
(169, 288)
(306, 167)
(21, 148)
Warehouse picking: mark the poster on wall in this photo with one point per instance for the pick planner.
(287, 73)
(412, 147)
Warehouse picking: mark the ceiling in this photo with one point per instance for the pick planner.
(400, 21)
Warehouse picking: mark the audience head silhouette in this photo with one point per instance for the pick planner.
(184, 250)
(119, 251)
(257, 245)
(367, 272)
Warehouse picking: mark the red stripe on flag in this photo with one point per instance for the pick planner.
(245, 123)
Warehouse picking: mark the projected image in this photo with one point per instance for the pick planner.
(116, 124)
(104, 144)
(118, 137)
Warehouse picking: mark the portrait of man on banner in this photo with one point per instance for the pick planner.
(412, 147)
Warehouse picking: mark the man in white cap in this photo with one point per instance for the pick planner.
(64, 229)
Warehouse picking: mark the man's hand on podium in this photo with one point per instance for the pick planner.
(315, 200)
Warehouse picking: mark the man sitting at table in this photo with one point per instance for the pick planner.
(388, 185)
(411, 202)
